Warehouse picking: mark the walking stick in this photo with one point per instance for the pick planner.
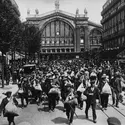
(73, 110)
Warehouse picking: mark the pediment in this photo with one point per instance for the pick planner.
(51, 14)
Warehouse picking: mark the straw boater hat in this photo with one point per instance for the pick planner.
(104, 76)
(68, 84)
(55, 86)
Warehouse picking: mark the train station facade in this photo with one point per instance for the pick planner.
(65, 35)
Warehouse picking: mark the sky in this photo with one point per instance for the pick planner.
(94, 7)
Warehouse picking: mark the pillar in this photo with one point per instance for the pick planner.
(77, 47)
(87, 43)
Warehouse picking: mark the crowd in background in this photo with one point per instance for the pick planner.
(73, 82)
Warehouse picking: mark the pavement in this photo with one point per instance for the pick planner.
(11, 87)
(39, 115)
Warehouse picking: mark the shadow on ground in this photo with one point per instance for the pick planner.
(82, 117)
(44, 109)
(60, 108)
(60, 120)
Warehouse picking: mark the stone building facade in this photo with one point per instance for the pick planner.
(65, 35)
(113, 22)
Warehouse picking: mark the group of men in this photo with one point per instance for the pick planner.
(72, 82)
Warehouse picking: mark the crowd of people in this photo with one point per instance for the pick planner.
(72, 82)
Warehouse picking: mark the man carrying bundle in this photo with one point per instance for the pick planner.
(70, 103)
(53, 95)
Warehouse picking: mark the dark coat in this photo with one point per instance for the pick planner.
(91, 95)
(117, 85)
(3, 104)
(101, 85)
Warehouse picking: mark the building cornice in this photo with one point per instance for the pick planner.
(109, 6)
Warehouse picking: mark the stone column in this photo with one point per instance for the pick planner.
(77, 46)
(87, 43)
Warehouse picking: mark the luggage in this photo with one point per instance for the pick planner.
(21, 91)
(106, 89)
(38, 87)
(83, 97)
(72, 101)
(54, 90)
(11, 109)
(81, 88)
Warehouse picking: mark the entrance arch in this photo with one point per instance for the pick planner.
(57, 32)
(95, 36)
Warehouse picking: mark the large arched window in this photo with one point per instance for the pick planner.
(95, 37)
(57, 33)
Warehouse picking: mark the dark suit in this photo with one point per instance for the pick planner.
(70, 107)
(92, 95)
(3, 104)
(117, 89)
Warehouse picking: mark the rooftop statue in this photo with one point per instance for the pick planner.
(57, 4)
(77, 12)
(28, 11)
(85, 12)
(36, 11)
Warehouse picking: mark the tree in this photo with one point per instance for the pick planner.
(8, 20)
(31, 37)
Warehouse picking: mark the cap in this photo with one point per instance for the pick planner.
(25, 79)
(113, 121)
(55, 86)
(104, 76)
(68, 84)
(117, 74)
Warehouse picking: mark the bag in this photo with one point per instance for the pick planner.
(81, 88)
(38, 87)
(11, 108)
(73, 101)
(106, 89)
(83, 97)
(54, 90)
(21, 91)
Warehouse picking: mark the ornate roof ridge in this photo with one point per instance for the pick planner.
(93, 23)
(51, 12)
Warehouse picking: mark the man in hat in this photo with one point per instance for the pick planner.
(70, 105)
(113, 121)
(10, 116)
(117, 88)
(105, 91)
(92, 94)
(53, 95)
